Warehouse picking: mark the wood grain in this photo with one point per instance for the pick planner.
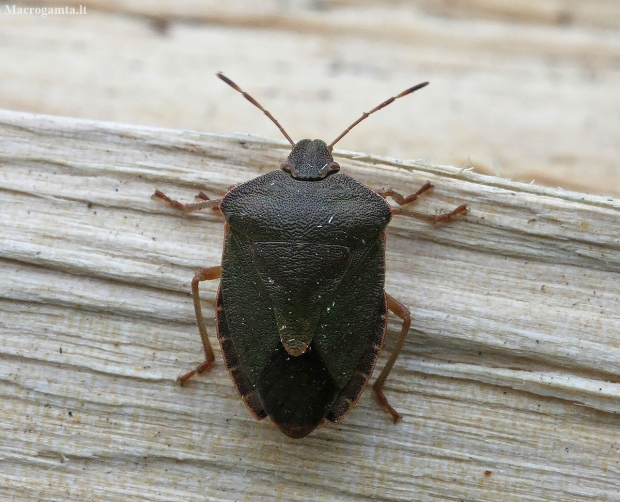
(509, 383)
(523, 90)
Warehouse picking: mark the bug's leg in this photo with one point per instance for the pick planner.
(203, 196)
(188, 208)
(402, 200)
(437, 218)
(403, 312)
(204, 274)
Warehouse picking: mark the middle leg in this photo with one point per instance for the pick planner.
(204, 274)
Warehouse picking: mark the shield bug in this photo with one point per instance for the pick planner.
(301, 309)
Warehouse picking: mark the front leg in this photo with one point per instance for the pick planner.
(401, 200)
(189, 208)
(404, 200)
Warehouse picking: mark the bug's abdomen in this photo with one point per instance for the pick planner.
(335, 292)
(299, 393)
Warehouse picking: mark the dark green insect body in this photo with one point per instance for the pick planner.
(301, 306)
(301, 309)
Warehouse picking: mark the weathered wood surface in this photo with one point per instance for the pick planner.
(509, 383)
(525, 90)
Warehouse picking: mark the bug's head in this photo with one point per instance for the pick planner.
(310, 159)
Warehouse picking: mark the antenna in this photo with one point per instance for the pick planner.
(258, 105)
(375, 109)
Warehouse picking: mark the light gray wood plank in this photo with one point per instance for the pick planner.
(511, 365)
(518, 89)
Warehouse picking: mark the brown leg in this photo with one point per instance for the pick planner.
(188, 208)
(432, 218)
(403, 312)
(401, 201)
(204, 274)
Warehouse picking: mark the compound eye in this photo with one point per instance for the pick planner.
(332, 167)
(286, 166)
